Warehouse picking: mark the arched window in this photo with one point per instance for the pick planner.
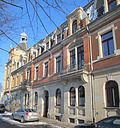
(81, 96)
(112, 94)
(72, 96)
(36, 98)
(58, 97)
(74, 26)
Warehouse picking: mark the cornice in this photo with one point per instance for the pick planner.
(104, 19)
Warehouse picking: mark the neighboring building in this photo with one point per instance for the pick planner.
(12, 81)
(72, 74)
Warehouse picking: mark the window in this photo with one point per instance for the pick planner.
(34, 54)
(112, 94)
(29, 75)
(80, 57)
(81, 96)
(74, 26)
(47, 45)
(37, 72)
(52, 41)
(58, 64)
(72, 59)
(17, 64)
(28, 99)
(72, 96)
(46, 69)
(25, 99)
(42, 49)
(112, 4)
(58, 38)
(100, 7)
(36, 98)
(38, 51)
(58, 97)
(107, 43)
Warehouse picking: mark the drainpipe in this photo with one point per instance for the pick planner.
(91, 78)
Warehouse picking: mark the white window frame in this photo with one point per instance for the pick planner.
(55, 56)
(44, 67)
(37, 65)
(112, 28)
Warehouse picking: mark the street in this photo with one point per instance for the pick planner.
(7, 122)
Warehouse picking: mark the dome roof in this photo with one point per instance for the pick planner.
(24, 34)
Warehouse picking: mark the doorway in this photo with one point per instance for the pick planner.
(46, 103)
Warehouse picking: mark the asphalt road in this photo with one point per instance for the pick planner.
(6, 122)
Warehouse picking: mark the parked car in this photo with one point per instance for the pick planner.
(109, 122)
(2, 108)
(25, 115)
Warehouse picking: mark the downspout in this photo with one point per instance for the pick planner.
(91, 78)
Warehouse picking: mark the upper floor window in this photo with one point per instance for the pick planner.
(100, 7)
(80, 57)
(58, 64)
(17, 64)
(58, 38)
(47, 45)
(38, 51)
(74, 26)
(81, 96)
(72, 96)
(58, 97)
(112, 94)
(107, 43)
(36, 72)
(46, 69)
(52, 41)
(34, 54)
(112, 4)
(72, 59)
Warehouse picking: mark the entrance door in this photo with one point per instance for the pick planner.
(46, 102)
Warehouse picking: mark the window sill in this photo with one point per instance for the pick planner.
(104, 58)
(113, 108)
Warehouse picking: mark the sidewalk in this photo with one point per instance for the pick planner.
(56, 122)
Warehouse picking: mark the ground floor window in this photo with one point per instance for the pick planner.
(112, 94)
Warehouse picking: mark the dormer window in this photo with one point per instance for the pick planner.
(52, 41)
(74, 26)
(100, 7)
(47, 45)
(38, 51)
(42, 49)
(112, 4)
(58, 38)
(34, 54)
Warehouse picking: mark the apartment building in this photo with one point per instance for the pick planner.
(72, 74)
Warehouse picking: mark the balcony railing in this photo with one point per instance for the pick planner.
(81, 111)
(72, 68)
(72, 110)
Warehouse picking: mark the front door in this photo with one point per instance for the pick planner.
(46, 103)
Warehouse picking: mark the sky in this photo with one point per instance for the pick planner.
(21, 23)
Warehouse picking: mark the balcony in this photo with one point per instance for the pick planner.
(26, 85)
(75, 71)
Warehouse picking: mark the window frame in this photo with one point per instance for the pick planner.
(112, 95)
(58, 64)
(58, 97)
(74, 26)
(103, 31)
(81, 97)
(72, 96)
